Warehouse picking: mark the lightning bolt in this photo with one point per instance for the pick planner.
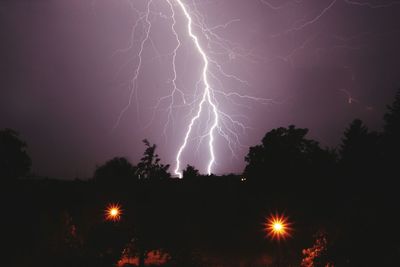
(205, 100)
(209, 46)
(207, 120)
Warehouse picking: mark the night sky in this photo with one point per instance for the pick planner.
(66, 69)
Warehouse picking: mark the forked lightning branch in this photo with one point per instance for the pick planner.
(208, 88)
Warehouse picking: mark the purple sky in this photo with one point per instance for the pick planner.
(321, 63)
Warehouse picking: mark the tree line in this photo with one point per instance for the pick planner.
(345, 192)
(282, 152)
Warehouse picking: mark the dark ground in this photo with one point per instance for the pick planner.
(61, 223)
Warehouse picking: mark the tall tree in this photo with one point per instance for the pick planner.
(391, 135)
(14, 159)
(149, 166)
(190, 172)
(116, 169)
(285, 151)
(359, 150)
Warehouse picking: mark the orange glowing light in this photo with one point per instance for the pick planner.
(113, 212)
(277, 227)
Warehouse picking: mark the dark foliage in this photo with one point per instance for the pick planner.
(14, 159)
(287, 151)
(391, 134)
(149, 166)
(114, 170)
(348, 199)
(359, 151)
(190, 172)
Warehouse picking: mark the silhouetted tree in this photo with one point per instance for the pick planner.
(116, 169)
(359, 150)
(14, 159)
(149, 166)
(285, 151)
(391, 135)
(190, 172)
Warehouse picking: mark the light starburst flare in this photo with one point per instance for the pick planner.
(113, 212)
(278, 227)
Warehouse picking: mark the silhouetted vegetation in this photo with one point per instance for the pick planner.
(14, 160)
(190, 172)
(286, 152)
(149, 166)
(114, 170)
(359, 151)
(343, 204)
(391, 134)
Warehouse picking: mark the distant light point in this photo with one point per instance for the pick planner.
(278, 227)
(113, 212)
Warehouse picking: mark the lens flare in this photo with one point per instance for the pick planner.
(278, 227)
(113, 212)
